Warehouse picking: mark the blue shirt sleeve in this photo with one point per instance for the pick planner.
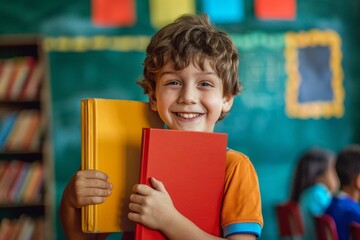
(242, 228)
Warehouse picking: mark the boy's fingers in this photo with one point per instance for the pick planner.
(136, 198)
(93, 183)
(92, 200)
(135, 217)
(158, 185)
(142, 189)
(92, 174)
(94, 192)
(135, 207)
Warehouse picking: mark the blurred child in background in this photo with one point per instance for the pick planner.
(344, 207)
(315, 181)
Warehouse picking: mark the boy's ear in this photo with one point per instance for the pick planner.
(152, 100)
(227, 102)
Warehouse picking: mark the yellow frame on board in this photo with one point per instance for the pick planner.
(316, 109)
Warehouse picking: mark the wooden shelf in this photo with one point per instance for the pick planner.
(21, 104)
(28, 156)
(40, 205)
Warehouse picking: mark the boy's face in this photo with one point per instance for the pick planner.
(191, 99)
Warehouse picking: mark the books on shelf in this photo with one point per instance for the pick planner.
(8, 122)
(21, 182)
(7, 67)
(111, 143)
(20, 78)
(8, 177)
(21, 131)
(31, 191)
(24, 227)
(24, 71)
(32, 85)
(191, 165)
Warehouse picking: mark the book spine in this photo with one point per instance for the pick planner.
(6, 128)
(88, 157)
(15, 176)
(25, 68)
(34, 183)
(93, 209)
(6, 70)
(14, 194)
(31, 87)
(84, 142)
(143, 170)
(144, 156)
(8, 178)
(13, 76)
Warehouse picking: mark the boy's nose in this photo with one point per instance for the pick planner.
(187, 96)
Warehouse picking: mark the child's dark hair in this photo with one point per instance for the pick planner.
(311, 165)
(192, 39)
(348, 164)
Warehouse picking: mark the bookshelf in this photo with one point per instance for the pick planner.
(26, 171)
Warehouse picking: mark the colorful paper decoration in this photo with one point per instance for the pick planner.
(315, 76)
(225, 11)
(163, 12)
(275, 9)
(125, 43)
(113, 13)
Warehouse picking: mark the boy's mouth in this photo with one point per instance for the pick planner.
(188, 115)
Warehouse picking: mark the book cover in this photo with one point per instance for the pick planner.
(191, 166)
(111, 143)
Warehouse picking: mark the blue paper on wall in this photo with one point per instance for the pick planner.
(224, 11)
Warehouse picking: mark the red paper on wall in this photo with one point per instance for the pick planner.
(113, 13)
(275, 9)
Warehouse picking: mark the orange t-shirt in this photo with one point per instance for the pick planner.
(241, 210)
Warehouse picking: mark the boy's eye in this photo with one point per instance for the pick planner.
(172, 83)
(206, 84)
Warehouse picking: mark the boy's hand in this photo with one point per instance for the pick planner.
(87, 187)
(151, 207)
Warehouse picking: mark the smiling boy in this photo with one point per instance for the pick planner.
(191, 76)
(190, 99)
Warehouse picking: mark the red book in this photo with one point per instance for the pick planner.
(191, 165)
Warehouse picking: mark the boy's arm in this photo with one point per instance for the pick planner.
(85, 187)
(153, 208)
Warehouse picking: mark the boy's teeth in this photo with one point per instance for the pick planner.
(188, 115)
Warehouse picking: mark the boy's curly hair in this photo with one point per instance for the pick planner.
(192, 39)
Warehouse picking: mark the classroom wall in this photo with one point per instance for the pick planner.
(259, 124)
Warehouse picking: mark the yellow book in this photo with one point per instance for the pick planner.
(111, 143)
